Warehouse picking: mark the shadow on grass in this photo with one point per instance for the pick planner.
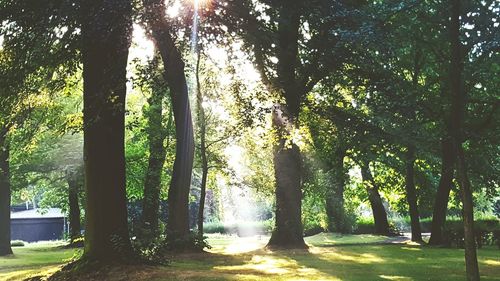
(392, 262)
(340, 262)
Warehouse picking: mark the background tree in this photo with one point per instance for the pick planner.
(178, 193)
(159, 123)
(293, 50)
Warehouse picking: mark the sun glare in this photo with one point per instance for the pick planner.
(173, 10)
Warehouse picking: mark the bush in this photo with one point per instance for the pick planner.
(311, 230)
(366, 225)
(214, 227)
(486, 232)
(17, 243)
(242, 229)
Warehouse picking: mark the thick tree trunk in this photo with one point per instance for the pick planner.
(288, 231)
(73, 178)
(5, 248)
(443, 192)
(411, 195)
(335, 194)
(157, 153)
(378, 209)
(106, 36)
(178, 193)
(458, 111)
(203, 148)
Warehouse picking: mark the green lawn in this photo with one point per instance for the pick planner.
(33, 259)
(330, 257)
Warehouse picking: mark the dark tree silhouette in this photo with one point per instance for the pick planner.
(106, 37)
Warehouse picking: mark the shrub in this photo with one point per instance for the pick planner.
(214, 227)
(241, 228)
(486, 232)
(366, 225)
(17, 243)
(311, 230)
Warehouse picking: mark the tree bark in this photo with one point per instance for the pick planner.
(411, 194)
(203, 195)
(443, 192)
(288, 232)
(335, 194)
(157, 154)
(74, 181)
(178, 193)
(203, 147)
(378, 209)
(5, 248)
(106, 36)
(458, 111)
(471, 264)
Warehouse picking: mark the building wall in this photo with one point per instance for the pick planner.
(37, 229)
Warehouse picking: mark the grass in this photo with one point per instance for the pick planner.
(33, 259)
(330, 257)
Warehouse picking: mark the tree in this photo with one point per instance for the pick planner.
(458, 113)
(178, 193)
(378, 209)
(331, 143)
(203, 146)
(74, 178)
(4, 195)
(157, 132)
(214, 133)
(29, 70)
(106, 35)
(443, 192)
(334, 201)
(293, 49)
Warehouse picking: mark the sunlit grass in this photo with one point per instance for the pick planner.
(33, 259)
(331, 239)
(330, 257)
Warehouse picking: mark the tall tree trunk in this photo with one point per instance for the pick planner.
(471, 264)
(203, 147)
(157, 154)
(378, 209)
(411, 194)
(73, 178)
(443, 192)
(458, 111)
(411, 191)
(335, 193)
(288, 231)
(106, 36)
(5, 248)
(178, 193)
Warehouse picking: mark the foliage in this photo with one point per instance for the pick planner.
(17, 243)
(241, 229)
(367, 226)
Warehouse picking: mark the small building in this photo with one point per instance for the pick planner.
(37, 225)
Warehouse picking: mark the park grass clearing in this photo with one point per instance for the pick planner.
(34, 259)
(330, 257)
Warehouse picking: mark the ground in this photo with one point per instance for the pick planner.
(34, 259)
(330, 257)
